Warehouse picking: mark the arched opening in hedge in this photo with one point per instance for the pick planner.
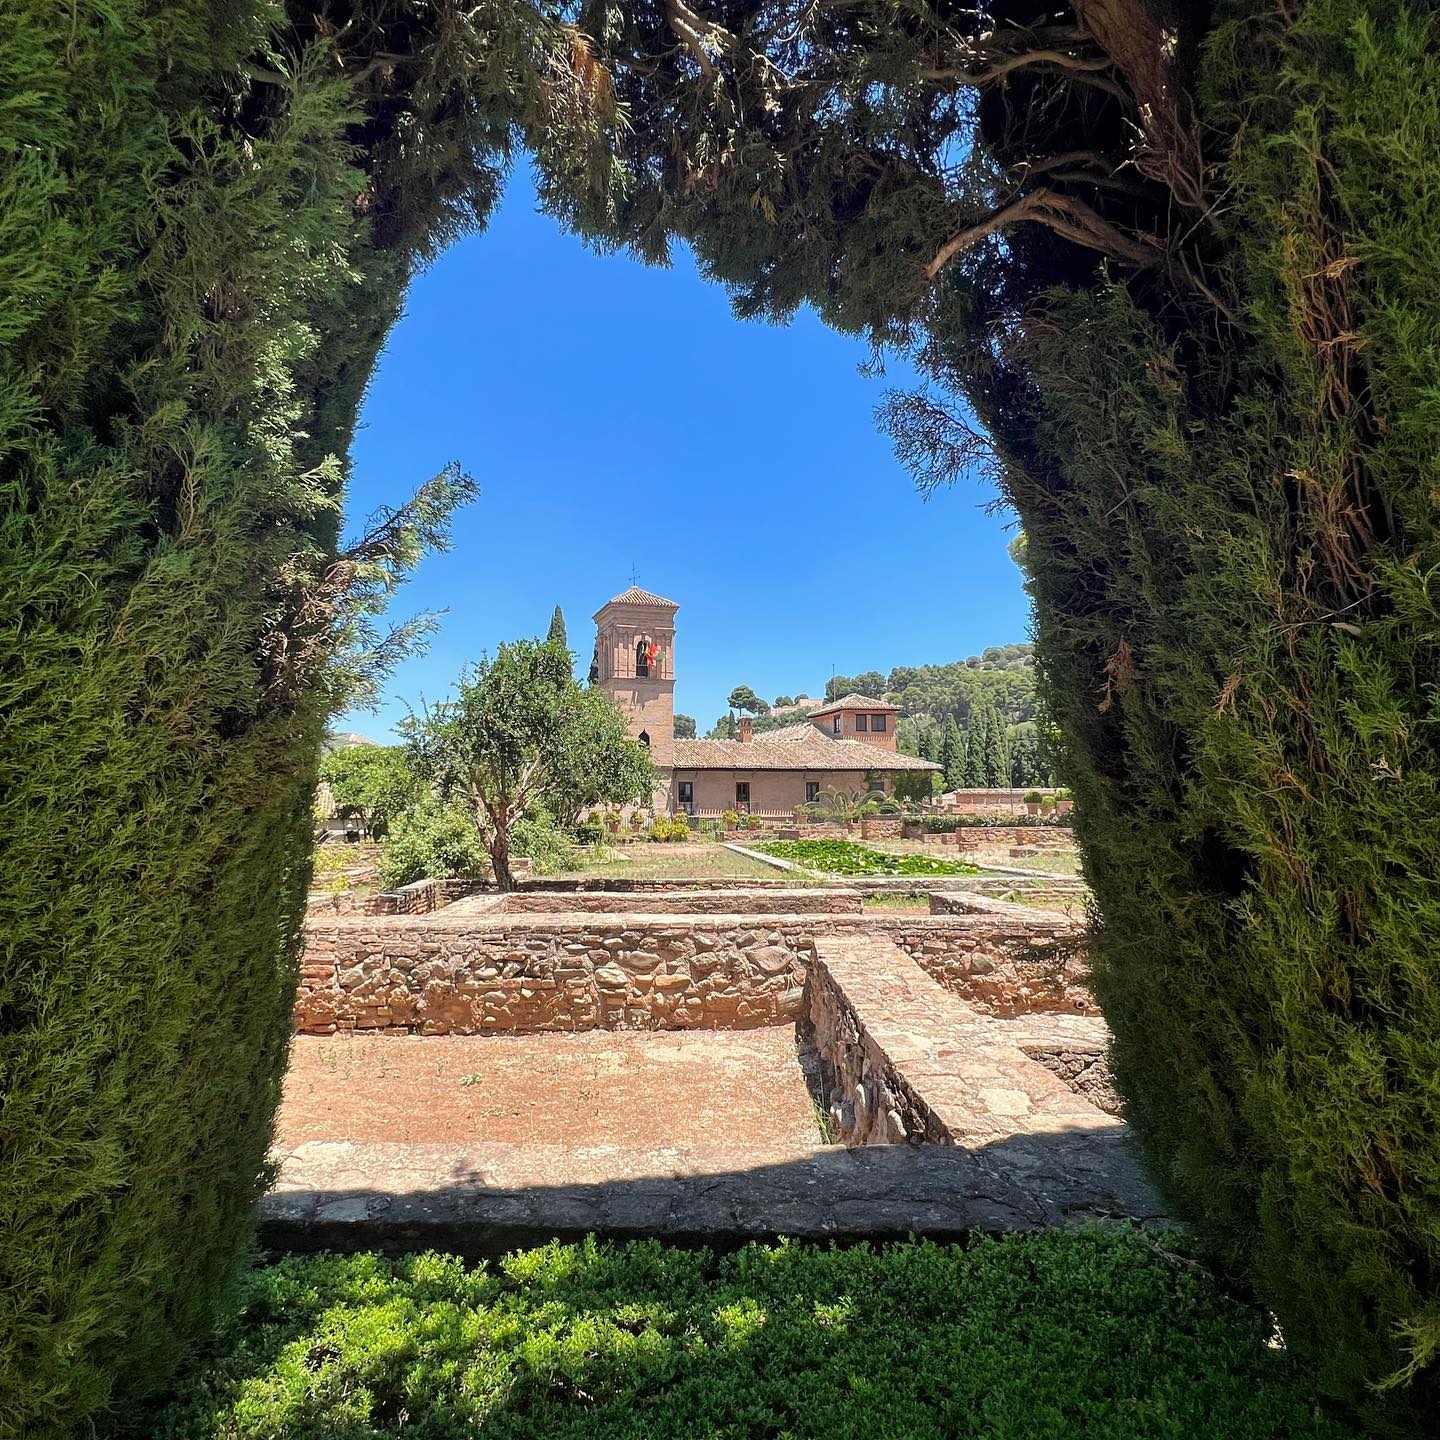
(1181, 267)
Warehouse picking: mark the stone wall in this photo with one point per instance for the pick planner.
(1041, 837)
(769, 901)
(488, 974)
(1005, 966)
(632, 885)
(424, 897)
(903, 1061)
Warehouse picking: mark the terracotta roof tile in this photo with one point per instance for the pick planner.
(636, 596)
(797, 747)
(855, 702)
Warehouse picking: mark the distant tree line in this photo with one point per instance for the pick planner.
(934, 699)
(983, 752)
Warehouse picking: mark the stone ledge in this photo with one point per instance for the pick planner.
(904, 1058)
(737, 900)
(484, 1200)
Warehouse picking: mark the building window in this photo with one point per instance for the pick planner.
(877, 723)
(644, 738)
(812, 791)
(642, 657)
(687, 796)
(742, 796)
(860, 722)
(837, 724)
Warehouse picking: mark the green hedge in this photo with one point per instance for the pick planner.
(1106, 1336)
(194, 284)
(1233, 539)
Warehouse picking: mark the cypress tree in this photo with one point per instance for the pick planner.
(972, 764)
(556, 634)
(1187, 288)
(200, 256)
(995, 755)
(952, 755)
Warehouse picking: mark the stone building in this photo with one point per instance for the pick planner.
(848, 744)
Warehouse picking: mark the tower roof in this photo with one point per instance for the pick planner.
(636, 596)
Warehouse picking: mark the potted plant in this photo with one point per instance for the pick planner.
(1033, 800)
(731, 820)
(1063, 803)
(1047, 807)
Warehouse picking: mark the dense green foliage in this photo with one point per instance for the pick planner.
(844, 857)
(521, 741)
(431, 840)
(186, 322)
(200, 253)
(371, 783)
(1232, 533)
(1101, 1335)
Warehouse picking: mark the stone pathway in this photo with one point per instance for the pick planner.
(484, 1200)
(911, 1059)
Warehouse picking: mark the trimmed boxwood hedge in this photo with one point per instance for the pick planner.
(1100, 1335)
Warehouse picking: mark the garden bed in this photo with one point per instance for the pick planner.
(843, 857)
(1105, 1335)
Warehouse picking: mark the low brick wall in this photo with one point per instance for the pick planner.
(424, 897)
(768, 901)
(487, 974)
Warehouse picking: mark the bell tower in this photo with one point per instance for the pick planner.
(635, 665)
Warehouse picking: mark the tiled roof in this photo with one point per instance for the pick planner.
(855, 702)
(797, 747)
(636, 596)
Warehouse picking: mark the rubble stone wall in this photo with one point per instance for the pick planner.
(687, 902)
(519, 974)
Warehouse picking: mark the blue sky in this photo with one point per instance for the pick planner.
(619, 419)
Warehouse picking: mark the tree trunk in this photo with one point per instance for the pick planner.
(499, 848)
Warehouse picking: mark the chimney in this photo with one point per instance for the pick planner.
(747, 729)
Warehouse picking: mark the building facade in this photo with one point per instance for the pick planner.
(848, 744)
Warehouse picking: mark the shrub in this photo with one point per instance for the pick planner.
(731, 819)
(1092, 1334)
(669, 829)
(589, 832)
(431, 841)
(548, 848)
(842, 857)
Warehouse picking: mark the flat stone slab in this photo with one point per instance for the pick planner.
(484, 1200)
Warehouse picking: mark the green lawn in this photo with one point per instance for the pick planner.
(1063, 1335)
(1053, 862)
(687, 859)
